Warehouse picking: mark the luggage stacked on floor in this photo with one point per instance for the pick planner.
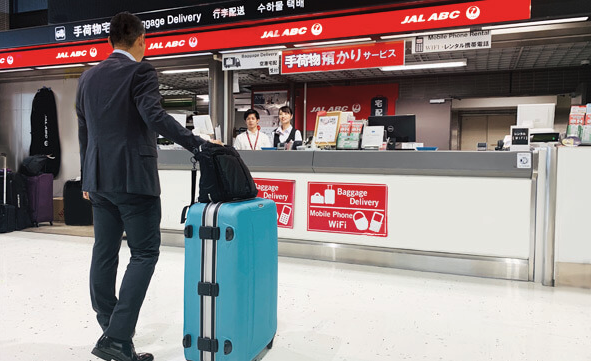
(40, 191)
(7, 211)
(77, 210)
(16, 195)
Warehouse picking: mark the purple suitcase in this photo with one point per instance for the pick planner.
(40, 190)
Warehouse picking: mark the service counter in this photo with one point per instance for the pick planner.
(469, 213)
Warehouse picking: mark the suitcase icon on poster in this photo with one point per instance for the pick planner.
(329, 195)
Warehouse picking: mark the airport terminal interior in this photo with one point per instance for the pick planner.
(453, 227)
(327, 311)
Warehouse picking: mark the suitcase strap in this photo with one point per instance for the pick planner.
(193, 188)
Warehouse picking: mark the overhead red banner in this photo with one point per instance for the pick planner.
(387, 22)
(351, 208)
(343, 57)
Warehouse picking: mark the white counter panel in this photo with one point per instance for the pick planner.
(479, 216)
(176, 192)
(465, 215)
(573, 205)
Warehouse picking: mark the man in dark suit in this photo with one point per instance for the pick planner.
(119, 116)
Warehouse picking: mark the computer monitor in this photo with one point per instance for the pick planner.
(399, 128)
(538, 117)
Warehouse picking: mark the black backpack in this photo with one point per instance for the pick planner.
(34, 165)
(224, 176)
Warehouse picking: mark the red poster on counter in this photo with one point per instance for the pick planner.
(351, 208)
(282, 192)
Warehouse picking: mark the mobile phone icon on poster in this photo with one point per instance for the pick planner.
(285, 214)
(376, 222)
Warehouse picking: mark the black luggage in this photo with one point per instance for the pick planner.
(7, 211)
(224, 176)
(77, 210)
(16, 195)
(44, 129)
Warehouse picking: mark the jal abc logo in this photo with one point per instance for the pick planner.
(193, 42)
(317, 29)
(10, 60)
(356, 108)
(93, 52)
(473, 12)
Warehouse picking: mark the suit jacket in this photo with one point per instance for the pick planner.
(119, 116)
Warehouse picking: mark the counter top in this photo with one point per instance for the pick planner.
(439, 163)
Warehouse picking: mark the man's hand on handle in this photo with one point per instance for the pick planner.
(85, 196)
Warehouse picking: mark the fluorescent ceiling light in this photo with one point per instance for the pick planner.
(533, 23)
(13, 70)
(204, 97)
(427, 65)
(179, 71)
(253, 49)
(412, 35)
(176, 56)
(59, 66)
(94, 63)
(333, 42)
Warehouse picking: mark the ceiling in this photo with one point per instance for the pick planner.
(540, 47)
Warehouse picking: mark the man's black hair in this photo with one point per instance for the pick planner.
(252, 111)
(125, 29)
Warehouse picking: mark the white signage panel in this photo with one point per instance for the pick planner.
(253, 60)
(467, 40)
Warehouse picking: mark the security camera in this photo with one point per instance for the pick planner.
(263, 76)
(585, 62)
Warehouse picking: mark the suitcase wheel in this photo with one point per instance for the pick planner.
(36, 224)
(51, 223)
(270, 345)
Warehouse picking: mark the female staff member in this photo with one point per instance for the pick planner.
(286, 132)
(252, 139)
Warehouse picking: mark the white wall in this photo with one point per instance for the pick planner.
(433, 121)
(573, 199)
(16, 100)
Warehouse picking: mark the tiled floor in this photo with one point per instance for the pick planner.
(327, 311)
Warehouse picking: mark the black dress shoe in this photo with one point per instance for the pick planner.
(109, 349)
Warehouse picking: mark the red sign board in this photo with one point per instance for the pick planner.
(387, 22)
(356, 99)
(56, 56)
(282, 192)
(343, 57)
(351, 208)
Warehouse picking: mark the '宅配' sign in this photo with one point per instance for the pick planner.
(348, 208)
(281, 191)
(343, 57)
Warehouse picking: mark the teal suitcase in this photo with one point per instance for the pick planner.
(230, 291)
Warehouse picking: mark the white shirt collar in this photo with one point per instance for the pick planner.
(286, 131)
(124, 53)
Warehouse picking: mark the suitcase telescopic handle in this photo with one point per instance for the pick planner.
(4, 200)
